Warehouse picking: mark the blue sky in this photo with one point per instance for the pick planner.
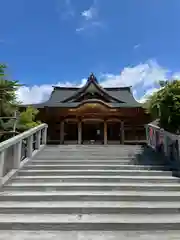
(59, 42)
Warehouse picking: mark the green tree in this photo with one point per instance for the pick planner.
(8, 88)
(9, 105)
(165, 105)
(27, 119)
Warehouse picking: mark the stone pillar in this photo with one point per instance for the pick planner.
(62, 132)
(122, 132)
(17, 155)
(105, 132)
(166, 152)
(44, 136)
(147, 134)
(79, 132)
(38, 139)
(29, 146)
(2, 156)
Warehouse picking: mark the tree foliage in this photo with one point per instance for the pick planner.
(9, 105)
(27, 119)
(8, 88)
(165, 105)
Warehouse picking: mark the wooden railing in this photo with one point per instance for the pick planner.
(16, 149)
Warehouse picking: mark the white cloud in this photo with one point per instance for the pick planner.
(176, 76)
(36, 94)
(147, 94)
(145, 74)
(143, 79)
(89, 18)
(89, 14)
(80, 29)
(65, 9)
(69, 7)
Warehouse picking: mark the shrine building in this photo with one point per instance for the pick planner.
(93, 114)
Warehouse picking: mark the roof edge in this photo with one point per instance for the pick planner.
(91, 80)
(106, 88)
(66, 88)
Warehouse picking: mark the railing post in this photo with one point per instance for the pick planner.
(79, 132)
(105, 132)
(38, 139)
(122, 132)
(29, 146)
(1, 166)
(62, 132)
(178, 148)
(17, 155)
(147, 136)
(44, 136)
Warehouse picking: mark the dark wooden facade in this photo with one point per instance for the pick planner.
(93, 114)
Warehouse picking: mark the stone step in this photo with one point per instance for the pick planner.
(100, 152)
(98, 222)
(76, 161)
(102, 172)
(84, 157)
(90, 207)
(56, 196)
(74, 166)
(95, 148)
(13, 186)
(90, 235)
(96, 178)
(92, 162)
(122, 163)
(87, 146)
(93, 151)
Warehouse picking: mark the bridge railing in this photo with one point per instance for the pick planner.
(164, 142)
(16, 149)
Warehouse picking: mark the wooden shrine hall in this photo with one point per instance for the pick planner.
(93, 114)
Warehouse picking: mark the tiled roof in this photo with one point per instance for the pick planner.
(60, 97)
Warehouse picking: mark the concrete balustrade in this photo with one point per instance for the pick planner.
(15, 149)
(164, 142)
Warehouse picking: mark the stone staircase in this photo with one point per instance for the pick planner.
(91, 188)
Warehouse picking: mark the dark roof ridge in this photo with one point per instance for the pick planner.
(118, 88)
(66, 88)
(106, 88)
(90, 81)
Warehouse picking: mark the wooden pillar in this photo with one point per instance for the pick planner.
(62, 132)
(105, 132)
(135, 137)
(80, 132)
(122, 132)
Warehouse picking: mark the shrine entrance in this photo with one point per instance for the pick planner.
(92, 132)
(114, 132)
